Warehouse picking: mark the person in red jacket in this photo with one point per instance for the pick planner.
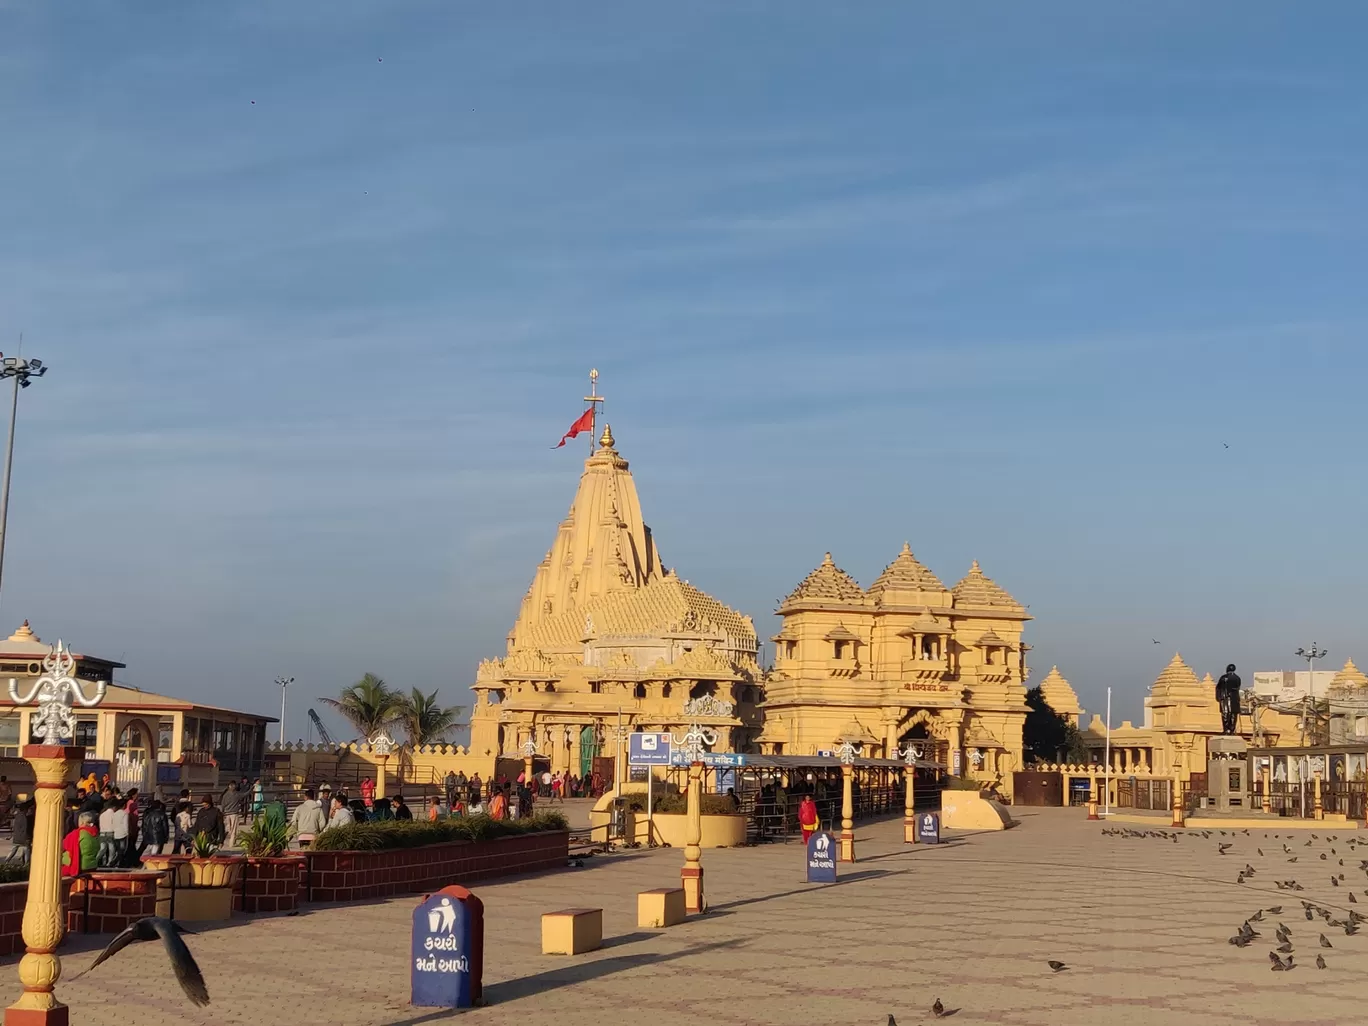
(81, 847)
(807, 817)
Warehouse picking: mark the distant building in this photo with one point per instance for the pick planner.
(139, 738)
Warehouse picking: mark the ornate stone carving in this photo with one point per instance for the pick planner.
(708, 706)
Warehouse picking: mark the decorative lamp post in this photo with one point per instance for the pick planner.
(382, 745)
(691, 745)
(847, 751)
(529, 751)
(909, 756)
(54, 764)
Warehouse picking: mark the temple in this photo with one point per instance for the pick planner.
(606, 634)
(908, 661)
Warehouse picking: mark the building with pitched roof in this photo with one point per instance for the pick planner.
(906, 661)
(605, 633)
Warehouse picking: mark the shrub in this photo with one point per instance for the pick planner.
(12, 872)
(268, 838)
(674, 803)
(394, 833)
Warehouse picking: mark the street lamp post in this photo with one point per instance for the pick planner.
(283, 683)
(22, 371)
(847, 751)
(1310, 655)
(382, 745)
(691, 745)
(55, 763)
(909, 756)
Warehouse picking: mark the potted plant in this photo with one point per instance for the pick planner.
(272, 876)
(197, 886)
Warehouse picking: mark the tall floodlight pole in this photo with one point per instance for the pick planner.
(22, 371)
(283, 682)
(1310, 655)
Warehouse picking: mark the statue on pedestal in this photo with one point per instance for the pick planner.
(1228, 697)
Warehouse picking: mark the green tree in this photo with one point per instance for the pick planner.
(1048, 736)
(425, 720)
(368, 705)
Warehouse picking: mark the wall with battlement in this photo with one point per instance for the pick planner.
(300, 763)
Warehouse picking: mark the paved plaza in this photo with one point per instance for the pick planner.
(1142, 923)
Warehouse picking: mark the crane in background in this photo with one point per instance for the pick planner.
(323, 734)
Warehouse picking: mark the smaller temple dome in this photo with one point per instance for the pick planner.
(1349, 676)
(1059, 693)
(828, 581)
(905, 574)
(981, 592)
(1177, 677)
(24, 633)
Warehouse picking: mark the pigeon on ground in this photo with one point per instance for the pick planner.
(1285, 947)
(938, 1009)
(1058, 967)
(1325, 943)
(1320, 961)
(182, 962)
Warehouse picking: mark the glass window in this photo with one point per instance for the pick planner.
(87, 730)
(189, 732)
(9, 730)
(166, 729)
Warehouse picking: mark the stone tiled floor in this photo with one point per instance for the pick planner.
(1142, 922)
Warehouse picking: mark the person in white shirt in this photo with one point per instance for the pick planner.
(108, 855)
(309, 819)
(341, 815)
(120, 832)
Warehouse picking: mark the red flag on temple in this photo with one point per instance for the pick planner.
(585, 423)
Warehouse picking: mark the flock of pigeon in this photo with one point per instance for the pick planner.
(1347, 920)
(939, 1011)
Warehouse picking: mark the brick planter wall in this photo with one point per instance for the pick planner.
(12, 898)
(355, 875)
(272, 885)
(110, 902)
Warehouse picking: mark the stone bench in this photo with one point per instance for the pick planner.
(572, 931)
(661, 907)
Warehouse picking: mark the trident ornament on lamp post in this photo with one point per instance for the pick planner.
(57, 693)
(847, 751)
(382, 745)
(909, 756)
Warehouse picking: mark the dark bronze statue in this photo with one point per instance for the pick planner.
(1228, 696)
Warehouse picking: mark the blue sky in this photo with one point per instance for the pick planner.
(1001, 280)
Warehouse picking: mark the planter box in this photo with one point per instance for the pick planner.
(356, 875)
(110, 902)
(196, 889)
(272, 884)
(12, 898)
(669, 828)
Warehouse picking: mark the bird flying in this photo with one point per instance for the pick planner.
(182, 962)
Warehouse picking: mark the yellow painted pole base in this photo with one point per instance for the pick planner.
(909, 830)
(691, 878)
(1092, 809)
(847, 845)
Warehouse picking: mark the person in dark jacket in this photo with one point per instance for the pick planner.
(401, 809)
(21, 827)
(156, 830)
(208, 821)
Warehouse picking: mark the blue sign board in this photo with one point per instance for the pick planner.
(821, 858)
(448, 950)
(728, 759)
(648, 749)
(928, 828)
(723, 779)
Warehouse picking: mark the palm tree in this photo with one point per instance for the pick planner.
(368, 705)
(424, 720)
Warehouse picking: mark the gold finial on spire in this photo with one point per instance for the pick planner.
(607, 440)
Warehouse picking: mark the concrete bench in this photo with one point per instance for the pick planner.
(572, 931)
(661, 907)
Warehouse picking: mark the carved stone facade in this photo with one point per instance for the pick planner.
(605, 629)
(908, 661)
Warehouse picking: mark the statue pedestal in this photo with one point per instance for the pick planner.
(1227, 773)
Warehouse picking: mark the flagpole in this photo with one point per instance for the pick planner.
(1106, 777)
(593, 399)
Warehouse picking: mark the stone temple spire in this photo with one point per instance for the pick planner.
(602, 546)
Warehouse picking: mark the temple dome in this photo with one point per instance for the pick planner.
(827, 582)
(1176, 678)
(905, 576)
(1349, 676)
(980, 592)
(1059, 693)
